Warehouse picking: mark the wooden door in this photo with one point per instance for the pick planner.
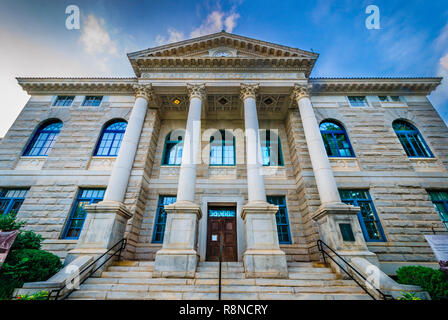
(222, 226)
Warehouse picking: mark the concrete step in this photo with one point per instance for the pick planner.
(128, 274)
(132, 269)
(215, 275)
(309, 270)
(312, 275)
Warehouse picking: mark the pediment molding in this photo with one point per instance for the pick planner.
(244, 52)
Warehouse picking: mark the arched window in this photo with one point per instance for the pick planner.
(335, 139)
(110, 139)
(411, 140)
(174, 144)
(222, 149)
(271, 148)
(44, 139)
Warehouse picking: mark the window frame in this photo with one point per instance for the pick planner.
(165, 149)
(83, 104)
(12, 200)
(79, 198)
(64, 104)
(267, 141)
(444, 204)
(41, 130)
(416, 134)
(223, 144)
(282, 205)
(377, 221)
(333, 134)
(160, 207)
(105, 130)
(358, 104)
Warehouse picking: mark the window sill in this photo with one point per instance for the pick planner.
(30, 163)
(101, 163)
(345, 164)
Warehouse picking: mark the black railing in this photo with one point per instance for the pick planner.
(91, 268)
(220, 268)
(321, 245)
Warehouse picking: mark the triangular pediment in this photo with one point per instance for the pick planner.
(201, 47)
(222, 49)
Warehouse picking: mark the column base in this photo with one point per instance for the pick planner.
(265, 264)
(329, 218)
(105, 225)
(263, 257)
(178, 257)
(175, 264)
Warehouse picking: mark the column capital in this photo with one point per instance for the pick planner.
(301, 91)
(249, 91)
(196, 91)
(144, 91)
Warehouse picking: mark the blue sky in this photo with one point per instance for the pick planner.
(412, 41)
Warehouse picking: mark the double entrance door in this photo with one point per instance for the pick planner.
(221, 225)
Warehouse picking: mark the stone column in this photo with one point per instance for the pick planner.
(106, 221)
(263, 257)
(178, 256)
(332, 212)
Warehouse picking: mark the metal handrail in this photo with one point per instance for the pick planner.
(122, 244)
(220, 269)
(320, 245)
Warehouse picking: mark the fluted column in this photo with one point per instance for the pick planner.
(178, 256)
(263, 257)
(323, 173)
(191, 147)
(255, 178)
(118, 181)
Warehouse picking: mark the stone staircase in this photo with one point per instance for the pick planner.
(133, 280)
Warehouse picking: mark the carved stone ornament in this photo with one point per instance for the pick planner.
(301, 91)
(196, 91)
(143, 91)
(249, 91)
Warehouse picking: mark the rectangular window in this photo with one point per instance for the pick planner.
(160, 221)
(357, 101)
(92, 101)
(64, 101)
(368, 218)
(390, 98)
(78, 213)
(281, 217)
(11, 200)
(440, 201)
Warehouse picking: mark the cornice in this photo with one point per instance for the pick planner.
(374, 85)
(78, 85)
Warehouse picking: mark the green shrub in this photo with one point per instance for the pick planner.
(430, 280)
(40, 295)
(408, 296)
(27, 240)
(30, 265)
(8, 222)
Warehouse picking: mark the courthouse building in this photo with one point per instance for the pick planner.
(227, 137)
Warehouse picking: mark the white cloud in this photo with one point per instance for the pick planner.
(95, 38)
(215, 22)
(174, 36)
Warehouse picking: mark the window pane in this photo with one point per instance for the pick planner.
(111, 138)
(281, 218)
(160, 221)
(368, 219)
(78, 214)
(43, 140)
(11, 200)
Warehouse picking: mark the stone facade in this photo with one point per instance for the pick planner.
(397, 184)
